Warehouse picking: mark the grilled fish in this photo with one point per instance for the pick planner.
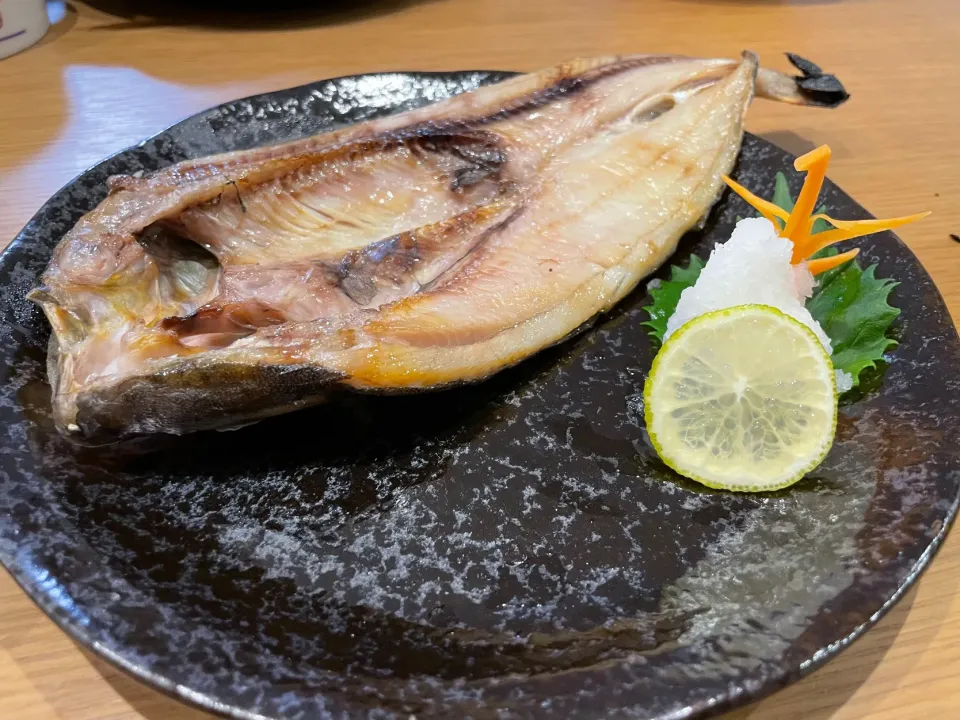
(428, 248)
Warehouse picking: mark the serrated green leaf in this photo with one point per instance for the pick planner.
(667, 295)
(781, 193)
(851, 306)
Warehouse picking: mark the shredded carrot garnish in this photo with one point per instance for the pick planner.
(797, 225)
(815, 163)
(764, 207)
(849, 229)
(821, 265)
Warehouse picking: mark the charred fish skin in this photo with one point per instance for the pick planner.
(179, 400)
(414, 252)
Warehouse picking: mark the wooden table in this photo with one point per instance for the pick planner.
(101, 81)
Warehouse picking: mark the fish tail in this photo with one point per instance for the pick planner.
(813, 87)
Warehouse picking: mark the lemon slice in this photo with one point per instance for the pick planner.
(742, 399)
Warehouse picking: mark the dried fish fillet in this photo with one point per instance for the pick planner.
(417, 251)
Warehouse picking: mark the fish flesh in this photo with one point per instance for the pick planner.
(412, 252)
(417, 251)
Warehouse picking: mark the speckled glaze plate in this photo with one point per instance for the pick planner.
(512, 548)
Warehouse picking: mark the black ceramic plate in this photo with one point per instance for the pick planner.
(514, 546)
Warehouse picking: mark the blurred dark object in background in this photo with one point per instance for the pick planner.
(242, 14)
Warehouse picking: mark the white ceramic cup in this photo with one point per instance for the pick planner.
(22, 23)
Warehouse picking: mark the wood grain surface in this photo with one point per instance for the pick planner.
(108, 74)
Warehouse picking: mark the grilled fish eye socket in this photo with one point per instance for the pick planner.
(654, 108)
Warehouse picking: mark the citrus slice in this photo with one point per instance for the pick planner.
(742, 399)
